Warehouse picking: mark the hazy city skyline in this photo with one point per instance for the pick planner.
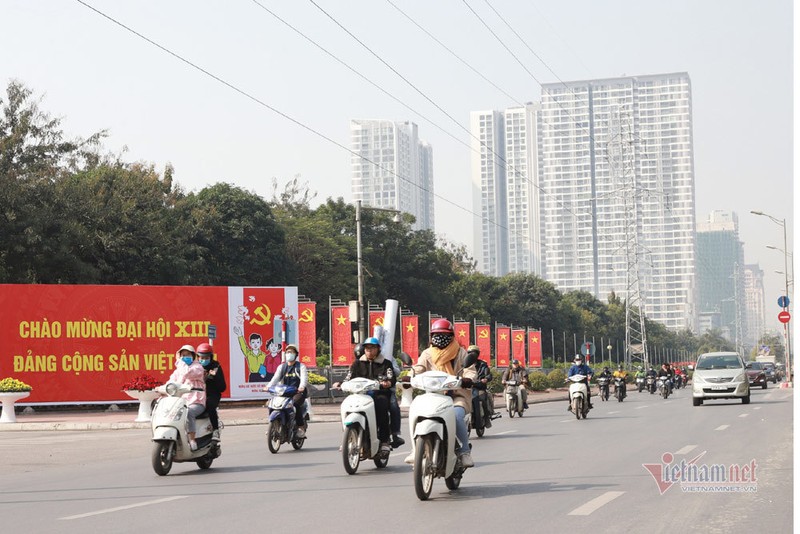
(97, 75)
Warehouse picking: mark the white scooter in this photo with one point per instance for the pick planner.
(578, 396)
(360, 440)
(432, 422)
(514, 402)
(170, 437)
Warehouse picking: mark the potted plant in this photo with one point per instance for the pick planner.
(317, 381)
(12, 390)
(142, 388)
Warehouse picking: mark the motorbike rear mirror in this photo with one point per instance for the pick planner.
(406, 359)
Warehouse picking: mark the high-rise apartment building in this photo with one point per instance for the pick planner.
(393, 169)
(754, 304)
(617, 191)
(721, 274)
(505, 175)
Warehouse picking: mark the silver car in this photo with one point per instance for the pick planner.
(720, 375)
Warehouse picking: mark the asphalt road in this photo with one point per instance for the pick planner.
(546, 472)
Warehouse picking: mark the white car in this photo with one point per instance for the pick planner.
(720, 375)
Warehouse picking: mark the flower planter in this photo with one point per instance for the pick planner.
(145, 399)
(8, 398)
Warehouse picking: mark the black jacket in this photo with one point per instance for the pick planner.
(379, 367)
(215, 384)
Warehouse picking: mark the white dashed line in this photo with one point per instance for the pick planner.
(744, 415)
(594, 504)
(118, 508)
(686, 450)
(506, 432)
(640, 407)
(722, 427)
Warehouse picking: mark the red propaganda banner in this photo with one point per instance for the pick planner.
(341, 346)
(462, 334)
(518, 344)
(375, 319)
(307, 333)
(484, 342)
(82, 343)
(503, 345)
(410, 335)
(534, 348)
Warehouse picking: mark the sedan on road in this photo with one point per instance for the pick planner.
(756, 374)
(720, 375)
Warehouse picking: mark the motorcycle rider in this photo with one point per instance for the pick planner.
(215, 384)
(652, 373)
(580, 368)
(623, 374)
(293, 372)
(374, 366)
(481, 384)
(606, 373)
(445, 354)
(189, 371)
(519, 374)
(666, 370)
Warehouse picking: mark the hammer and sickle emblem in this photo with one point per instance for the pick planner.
(307, 316)
(263, 317)
(379, 321)
(518, 337)
(483, 334)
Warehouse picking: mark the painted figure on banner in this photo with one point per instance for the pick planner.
(254, 356)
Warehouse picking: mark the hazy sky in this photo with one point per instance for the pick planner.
(97, 75)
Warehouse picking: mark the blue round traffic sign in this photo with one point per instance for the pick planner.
(783, 301)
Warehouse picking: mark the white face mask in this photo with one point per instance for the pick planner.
(291, 356)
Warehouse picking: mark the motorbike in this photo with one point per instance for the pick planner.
(578, 396)
(619, 385)
(651, 384)
(432, 422)
(170, 438)
(602, 386)
(360, 440)
(513, 393)
(480, 414)
(678, 381)
(282, 418)
(663, 386)
(640, 383)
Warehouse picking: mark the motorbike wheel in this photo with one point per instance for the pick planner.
(351, 454)
(640, 388)
(297, 443)
(423, 467)
(275, 431)
(512, 408)
(452, 482)
(381, 460)
(204, 463)
(665, 392)
(577, 407)
(162, 457)
(480, 431)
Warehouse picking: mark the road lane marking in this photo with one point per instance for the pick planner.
(640, 407)
(756, 407)
(118, 508)
(615, 411)
(596, 503)
(744, 415)
(722, 427)
(506, 432)
(686, 450)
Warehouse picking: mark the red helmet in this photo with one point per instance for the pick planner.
(442, 326)
(204, 348)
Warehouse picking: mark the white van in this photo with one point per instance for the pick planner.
(720, 375)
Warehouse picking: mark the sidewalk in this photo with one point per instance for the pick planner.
(230, 413)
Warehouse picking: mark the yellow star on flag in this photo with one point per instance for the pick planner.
(462, 333)
(410, 327)
(534, 339)
(503, 336)
(341, 319)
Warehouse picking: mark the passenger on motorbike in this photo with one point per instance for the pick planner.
(481, 384)
(666, 370)
(623, 374)
(580, 368)
(293, 372)
(374, 366)
(446, 355)
(215, 384)
(519, 374)
(189, 371)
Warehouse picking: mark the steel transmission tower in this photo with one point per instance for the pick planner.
(621, 157)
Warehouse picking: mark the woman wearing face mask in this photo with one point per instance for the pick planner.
(215, 384)
(294, 373)
(189, 371)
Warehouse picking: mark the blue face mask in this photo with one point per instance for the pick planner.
(205, 363)
(187, 360)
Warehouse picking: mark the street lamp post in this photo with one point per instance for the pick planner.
(786, 329)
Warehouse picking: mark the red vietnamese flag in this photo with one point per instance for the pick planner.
(341, 346)
(503, 345)
(534, 348)
(307, 333)
(375, 319)
(482, 339)
(410, 335)
(518, 344)
(462, 334)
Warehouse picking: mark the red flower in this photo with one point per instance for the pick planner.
(141, 383)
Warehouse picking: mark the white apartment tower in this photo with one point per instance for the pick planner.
(505, 190)
(617, 178)
(754, 303)
(393, 168)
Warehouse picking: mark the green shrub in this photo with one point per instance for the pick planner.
(557, 378)
(496, 384)
(538, 381)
